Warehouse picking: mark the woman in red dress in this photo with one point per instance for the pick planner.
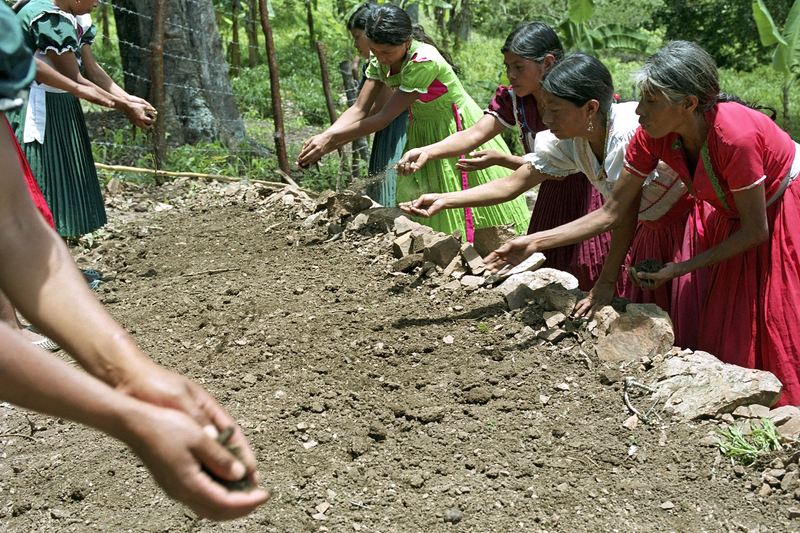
(743, 165)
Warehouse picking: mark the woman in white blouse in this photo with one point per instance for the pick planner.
(589, 133)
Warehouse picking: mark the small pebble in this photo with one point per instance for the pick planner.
(453, 516)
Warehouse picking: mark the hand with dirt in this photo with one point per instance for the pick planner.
(313, 150)
(480, 159)
(139, 112)
(599, 296)
(183, 457)
(412, 161)
(652, 278)
(511, 253)
(154, 384)
(425, 206)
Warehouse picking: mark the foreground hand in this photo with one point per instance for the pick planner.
(175, 449)
(411, 161)
(511, 254)
(139, 114)
(154, 384)
(653, 280)
(313, 150)
(599, 296)
(425, 206)
(94, 95)
(480, 160)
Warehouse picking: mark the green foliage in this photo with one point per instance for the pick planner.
(215, 158)
(745, 448)
(786, 56)
(725, 28)
(577, 35)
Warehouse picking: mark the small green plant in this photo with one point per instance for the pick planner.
(483, 327)
(745, 448)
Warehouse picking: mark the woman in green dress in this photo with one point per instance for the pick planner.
(424, 82)
(51, 129)
(388, 143)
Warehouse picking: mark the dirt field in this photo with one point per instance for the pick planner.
(401, 406)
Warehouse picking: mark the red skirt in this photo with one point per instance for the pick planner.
(663, 240)
(560, 202)
(751, 314)
(30, 181)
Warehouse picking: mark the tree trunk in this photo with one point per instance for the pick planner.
(199, 103)
(312, 33)
(251, 28)
(460, 23)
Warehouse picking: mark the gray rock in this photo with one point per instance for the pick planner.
(472, 281)
(344, 203)
(440, 249)
(487, 240)
(532, 263)
(403, 225)
(401, 246)
(407, 263)
(472, 259)
(781, 415)
(642, 330)
(520, 288)
(452, 516)
(552, 335)
(790, 430)
(698, 385)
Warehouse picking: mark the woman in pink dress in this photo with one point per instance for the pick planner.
(743, 165)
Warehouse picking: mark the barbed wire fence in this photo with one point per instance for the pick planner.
(258, 147)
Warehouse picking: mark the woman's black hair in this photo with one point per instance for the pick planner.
(580, 78)
(358, 20)
(534, 41)
(389, 24)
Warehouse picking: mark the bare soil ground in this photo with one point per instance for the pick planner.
(401, 406)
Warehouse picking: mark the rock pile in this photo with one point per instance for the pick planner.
(625, 337)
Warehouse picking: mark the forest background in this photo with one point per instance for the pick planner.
(219, 117)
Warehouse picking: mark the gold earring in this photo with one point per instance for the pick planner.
(591, 126)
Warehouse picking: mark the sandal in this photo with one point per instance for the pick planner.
(47, 343)
(92, 274)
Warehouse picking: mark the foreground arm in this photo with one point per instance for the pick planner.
(50, 76)
(40, 278)
(172, 445)
(753, 230)
(602, 293)
(458, 144)
(491, 193)
(139, 111)
(356, 122)
(626, 191)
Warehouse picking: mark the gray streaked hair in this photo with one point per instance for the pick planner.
(681, 69)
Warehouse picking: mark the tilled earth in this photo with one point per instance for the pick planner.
(374, 402)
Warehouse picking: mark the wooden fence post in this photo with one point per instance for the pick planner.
(275, 90)
(326, 87)
(157, 83)
(235, 52)
(360, 145)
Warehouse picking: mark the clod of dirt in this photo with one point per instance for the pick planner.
(242, 485)
(651, 266)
